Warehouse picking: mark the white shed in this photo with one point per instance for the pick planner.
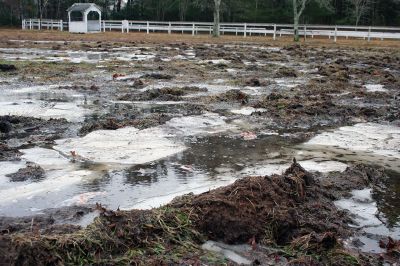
(84, 18)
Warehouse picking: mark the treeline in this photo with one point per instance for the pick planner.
(376, 13)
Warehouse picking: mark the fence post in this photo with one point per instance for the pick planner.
(23, 24)
(305, 32)
(274, 32)
(245, 29)
(369, 33)
(148, 27)
(335, 39)
(61, 25)
(169, 28)
(193, 29)
(30, 24)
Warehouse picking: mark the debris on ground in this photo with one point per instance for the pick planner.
(7, 68)
(30, 172)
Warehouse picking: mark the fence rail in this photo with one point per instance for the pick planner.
(244, 29)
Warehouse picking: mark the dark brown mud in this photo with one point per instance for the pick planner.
(21, 131)
(31, 172)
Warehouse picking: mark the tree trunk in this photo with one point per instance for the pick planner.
(217, 5)
(295, 22)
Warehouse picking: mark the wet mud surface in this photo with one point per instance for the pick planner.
(132, 126)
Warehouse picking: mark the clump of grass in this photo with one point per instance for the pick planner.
(163, 234)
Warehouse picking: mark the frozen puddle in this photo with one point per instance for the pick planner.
(362, 205)
(209, 123)
(248, 111)
(372, 142)
(31, 102)
(46, 110)
(60, 173)
(365, 212)
(375, 88)
(309, 165)
(122, 146)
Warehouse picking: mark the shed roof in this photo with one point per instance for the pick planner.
(82, 7)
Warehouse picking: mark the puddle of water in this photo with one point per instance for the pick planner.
(374, 143)
(60, 173)
(365, 209)
(376, 214)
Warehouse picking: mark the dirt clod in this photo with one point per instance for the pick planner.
(7, 68)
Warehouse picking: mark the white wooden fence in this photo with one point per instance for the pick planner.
(244, 29)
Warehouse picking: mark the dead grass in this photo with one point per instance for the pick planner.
(157, 38)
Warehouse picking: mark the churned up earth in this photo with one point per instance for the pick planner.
(160, 153)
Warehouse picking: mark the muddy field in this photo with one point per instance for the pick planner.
(96, 135)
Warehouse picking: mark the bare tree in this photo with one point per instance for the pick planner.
(42, 4)
(214, 5)
(217, 8)
(183, 6)
(298, 8)
(360, 8)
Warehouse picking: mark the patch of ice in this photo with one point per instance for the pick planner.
(60, 173)
(215, 61)
(40, 109)
(7, 168)
(375, 88)
(122, 146)
(226, 252)
(324, 166)
(383, 140)
(362, 205)
(248, 110)
(10, 167)
(209, 123)
(309, 165)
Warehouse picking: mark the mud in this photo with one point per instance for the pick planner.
(6, 68)
(232, 108)
(51, 221)
(163, 94)
(114, 123)
(8, 153)
(20, 132)
(31, 172)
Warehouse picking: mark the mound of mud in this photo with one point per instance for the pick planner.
(284, 72)
(113, 123)
(229, 96)
(163, 94)
(31, 172)
(157, 76)
(291, 209)
(8, 154)
(337, 72)
(273, 209)
(31, 130)
(7, 68)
